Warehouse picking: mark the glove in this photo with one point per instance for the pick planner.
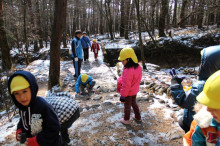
(76, 59)
(33, 141)
(122, 99)
(18, 134)
(175, 79)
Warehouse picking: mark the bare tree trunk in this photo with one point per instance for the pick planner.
(175, 13)
(139, 32)
(40, 32)
(122, 26)
(163, 14)
(5, 50)
(200, 13)
(25, 32)
(30, 9)
(192, 19)
(182, 14)
(64, 31)
(127, 17)
(54, 72)
(153, 5)
(109, 17)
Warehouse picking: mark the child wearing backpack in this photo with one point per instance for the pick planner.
(95, 48)
(39, 124)
(205, 129)
(67, 111)
(84, 81)
(130, 83)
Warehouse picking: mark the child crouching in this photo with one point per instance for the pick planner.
(38, 121)
(84, 81)
(205, 129)
(67, 111)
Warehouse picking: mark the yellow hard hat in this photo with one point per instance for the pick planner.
(210, 96)
(94, 40)
(84, 78)
(128, 53)
(19, 83)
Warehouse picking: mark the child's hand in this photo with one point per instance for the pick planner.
(122, 99)
(18, 134)
(79, 93)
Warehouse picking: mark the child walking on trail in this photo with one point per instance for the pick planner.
(130, 83)
(39, 124)
(67, 111)
(95, 48)
(205, 129)
(84, 81)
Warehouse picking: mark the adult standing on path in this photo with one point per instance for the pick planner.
(85, 44)
(77, 52)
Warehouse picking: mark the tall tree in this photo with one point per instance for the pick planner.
(109, 18)
(127, 16)
(54, 71)
(139, 33)
(39, 28)
(200, 13)
(163, 14)
(175, 13)
(122, 26)
(6, 59)
(182, 14)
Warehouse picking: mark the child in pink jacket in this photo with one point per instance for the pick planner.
(95, 48)
(130, 83)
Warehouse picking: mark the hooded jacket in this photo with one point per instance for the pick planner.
(85, 42)
(204, 131)
(76, 48)
(79, 82)
(130, 81)
(38, 118)
(210, 63)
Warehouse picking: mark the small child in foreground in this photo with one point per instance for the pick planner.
(205, 129)
(38, 123)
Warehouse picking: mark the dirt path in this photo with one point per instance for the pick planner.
(100, 114)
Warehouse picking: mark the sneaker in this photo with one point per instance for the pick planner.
(133, 117)
(125, 122)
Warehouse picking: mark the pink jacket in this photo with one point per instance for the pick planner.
(131, 79)
(119, 84)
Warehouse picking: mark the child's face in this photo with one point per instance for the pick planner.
(215, 113)
(84, 35)
(124, 62)
(23, 96)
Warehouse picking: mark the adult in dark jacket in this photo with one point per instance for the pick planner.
(67, 111)
(77, 52)
(210, 63)
(85, 44)
(38, 120)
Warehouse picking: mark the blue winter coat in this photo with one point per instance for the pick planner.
(210, 63)
(85, 42)
(76, 48)
(38, 118)
(79, 82)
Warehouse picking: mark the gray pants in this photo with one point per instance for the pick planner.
(82, 87)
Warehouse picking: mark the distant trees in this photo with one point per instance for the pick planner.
(162, 20)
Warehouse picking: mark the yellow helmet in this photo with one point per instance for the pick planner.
(84, 78)
(128, 53)
(210, 96)
(19, 83)
(94, 40)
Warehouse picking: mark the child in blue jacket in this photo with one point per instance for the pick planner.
(84, 81)
(39, 123)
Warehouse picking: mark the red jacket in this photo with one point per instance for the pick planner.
(95, 48)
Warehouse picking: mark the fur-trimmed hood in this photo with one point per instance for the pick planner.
(202, 116)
